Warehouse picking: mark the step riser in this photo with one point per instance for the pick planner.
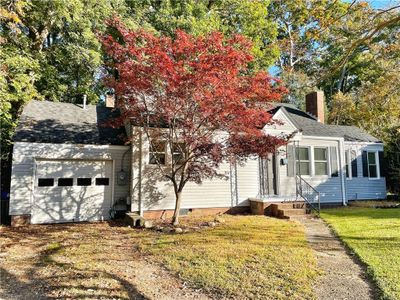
(292, 212)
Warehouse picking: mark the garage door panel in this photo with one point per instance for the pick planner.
(83, 202)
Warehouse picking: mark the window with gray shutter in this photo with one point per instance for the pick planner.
(334, 162)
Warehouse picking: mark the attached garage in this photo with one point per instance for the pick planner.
(65, 166)
(71, 191)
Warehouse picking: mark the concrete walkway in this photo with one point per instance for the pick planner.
(343, 277)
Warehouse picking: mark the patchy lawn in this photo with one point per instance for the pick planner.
(247, 257)
(374, 235)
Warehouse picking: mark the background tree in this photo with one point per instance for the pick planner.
(197, 96)
(248, 18)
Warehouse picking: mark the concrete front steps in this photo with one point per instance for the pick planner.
(290, 210)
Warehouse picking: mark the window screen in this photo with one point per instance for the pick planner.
(65, 182)
(157, 153)
(84, 181)
(102, 181)
(303, 161)
(46, 182)
(321, 161)
(178, 152)
(372, 166)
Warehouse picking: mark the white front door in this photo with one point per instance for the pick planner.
(72, 191)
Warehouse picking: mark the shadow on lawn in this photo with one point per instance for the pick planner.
(48, 278)
(363, 212)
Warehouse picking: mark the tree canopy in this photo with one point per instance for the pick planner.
(50, 49)
(196, 96)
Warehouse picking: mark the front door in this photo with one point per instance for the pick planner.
(268, 176)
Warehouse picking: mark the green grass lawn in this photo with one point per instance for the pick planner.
(374, 235)
(247, 257)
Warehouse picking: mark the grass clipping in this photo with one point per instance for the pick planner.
(246, 257)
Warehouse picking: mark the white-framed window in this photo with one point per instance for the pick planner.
(351, 164)
(178, 152)
(320, 161)
(157, 153)
(372, 161)
(303, 160)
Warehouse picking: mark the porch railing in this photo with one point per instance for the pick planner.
(310, 195)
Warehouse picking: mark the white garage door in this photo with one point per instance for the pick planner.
(72, 191)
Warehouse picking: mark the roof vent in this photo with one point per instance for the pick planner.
(84, 101)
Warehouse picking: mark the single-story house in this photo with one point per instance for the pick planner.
(67, 167)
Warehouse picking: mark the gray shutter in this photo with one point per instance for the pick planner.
(382, 164)
(365, 163)
(354, 170)
(291, 162)
(334, 162)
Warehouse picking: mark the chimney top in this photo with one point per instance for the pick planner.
(110, 101)
(315, 105)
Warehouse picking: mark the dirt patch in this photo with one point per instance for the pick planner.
(344, 277)
(88, 261)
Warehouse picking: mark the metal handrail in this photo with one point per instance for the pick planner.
(308, 193)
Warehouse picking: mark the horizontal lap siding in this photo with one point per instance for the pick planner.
(23, 168)
(363, 187)
(247, 181)
(159, 195)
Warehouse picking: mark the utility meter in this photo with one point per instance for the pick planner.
(122, 178)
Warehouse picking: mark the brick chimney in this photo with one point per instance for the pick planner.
(315, 105)
(110, 101)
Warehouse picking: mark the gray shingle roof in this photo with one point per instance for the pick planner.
(311, 127)
(57, 122)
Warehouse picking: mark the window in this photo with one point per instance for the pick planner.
(303, 161)
(372, 165)
(84, 181)
(351, 164)
(65, 181)
(102, 181)
(178, 152)
(321, 161)
(46, 182)
(157, 153)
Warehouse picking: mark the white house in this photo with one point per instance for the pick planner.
(67, 167)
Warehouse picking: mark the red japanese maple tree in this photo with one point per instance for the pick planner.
(197, 95)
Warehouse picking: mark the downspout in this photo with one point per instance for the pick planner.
(341, 168)
(140, 175)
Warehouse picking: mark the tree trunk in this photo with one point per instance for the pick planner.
(178, 200)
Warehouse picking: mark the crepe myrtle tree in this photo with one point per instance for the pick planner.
(195, 96)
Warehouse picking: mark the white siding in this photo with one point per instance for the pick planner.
(158, 194)
(248, 181)
(24, 155)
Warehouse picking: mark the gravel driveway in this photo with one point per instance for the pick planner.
(81, 261)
